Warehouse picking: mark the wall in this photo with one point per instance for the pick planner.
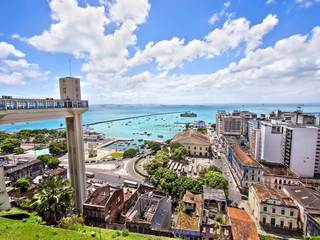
(270, 145)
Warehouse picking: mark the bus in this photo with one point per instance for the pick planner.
(129, 183)
(89, 174)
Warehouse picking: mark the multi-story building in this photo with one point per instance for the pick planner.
(272, 208)
(219, 122)
(248, 170)
(276, 175)
(271, 141)
(301, 147)
(33, 168)
(255, 143)
(199, 124)
(196, 143)
(299, 118)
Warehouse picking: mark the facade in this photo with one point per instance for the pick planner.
(255, 143)
(199, 124)
(197, 144)
(242, 225)
(4, 199)
(232, 125)
(103, 206)
(33, 168)
(247, 170)
(312, 226)
(301, 146)
(276, 175)
(271, 142)
(215, 222)
(219, 122)
(272, 208)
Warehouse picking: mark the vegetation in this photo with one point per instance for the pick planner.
(52, 198)
(262, 161)
(267, 238)
(175, 145)
(135, 167)
(18, 230)
(212, 168)
(202, 130)
(18, 150)
(130, 152)
(179, 153)
(23, 184)
(160, 160)
(58, 148)
(311, 238)
(72, 222)
(213, 125)
(50, 161)
(9, 144)
(4, 136)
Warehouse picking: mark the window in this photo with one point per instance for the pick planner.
(258, 179)
(291, 213)
(252, 178)
(188, 147)
(273, 221)
(280, 181)
(290, 225)
(265, 209)
(282, 224)
(283, 212)
(195, 148)
(200, 148)
(273, 210)
(64, 90)
(276, 181)
(264, 220)
(289, 182)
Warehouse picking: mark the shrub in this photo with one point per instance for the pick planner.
(72, 222)
(125, 232)
(115, 234)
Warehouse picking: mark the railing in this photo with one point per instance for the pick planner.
(7, 103)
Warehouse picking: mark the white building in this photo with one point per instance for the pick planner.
(255, 143)
(199, 124)
(271, 141)
(300, 149)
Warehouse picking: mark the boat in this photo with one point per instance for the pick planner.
(149, 134)
(160, 136)
(186, 114)
(140, 140)
(134, 144)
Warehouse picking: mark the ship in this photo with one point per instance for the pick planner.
(186, 114)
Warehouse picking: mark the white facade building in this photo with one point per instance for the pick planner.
(271, 142)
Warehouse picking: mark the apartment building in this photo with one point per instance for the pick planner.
(255, 143)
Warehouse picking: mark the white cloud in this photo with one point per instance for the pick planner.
(213, 19)
(217, 16)
(271, 1)
(226, 4)
(171, 53)
(307, 3)
(15, 71)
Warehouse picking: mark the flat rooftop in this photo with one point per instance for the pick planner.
(279, 170)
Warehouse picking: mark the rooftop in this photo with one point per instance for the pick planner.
(306, 196)
(279, 169)
(191, 133)
(213, 194)
(245, 159)
(264, 193)
(191, 221)
(22, 166)
(242, 226)
(56, 171)
(100, 196)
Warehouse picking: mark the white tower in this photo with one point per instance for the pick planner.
(4, 199)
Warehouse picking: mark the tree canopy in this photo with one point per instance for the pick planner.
(58, 148)
(212, 168)
(160, 160)
(50, 161)
(18, 150)
(175, 145)
(9, 144)
(23, 184)
(179, 153)
(52, 198)
(130, 152)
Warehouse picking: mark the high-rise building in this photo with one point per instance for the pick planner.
(255, 143)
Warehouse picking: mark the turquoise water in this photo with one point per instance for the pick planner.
(38, 152)
(165, 123)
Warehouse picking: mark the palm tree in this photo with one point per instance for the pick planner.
(52, 198)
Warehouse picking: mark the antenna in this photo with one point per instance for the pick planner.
(70, 67)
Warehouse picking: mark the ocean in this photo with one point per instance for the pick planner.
(158, 126)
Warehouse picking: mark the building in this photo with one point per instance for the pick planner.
(255, 143)
(196, 143)
(312, 226)
(301, 146)
(199, 124)
(219, 122)
(188, 223)
(271, 142)
(4, 199)
(103, 206)
(151, 213)
(59, 171)
(33, 169)
(92, 136)
(215, 222)
(248, 171)
(273, 209)
(306, 198)
(276, 175)
(242, 225)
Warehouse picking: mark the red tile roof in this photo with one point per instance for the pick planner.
(191, 133)
(242, 225)
(244, 157)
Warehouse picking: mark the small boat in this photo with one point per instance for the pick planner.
(160, 136)
(134, 144)
(140, 140)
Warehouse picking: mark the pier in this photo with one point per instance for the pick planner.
(114, 141)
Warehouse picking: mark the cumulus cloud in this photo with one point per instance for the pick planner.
(15, 71)
(171, 53)
(222, 13)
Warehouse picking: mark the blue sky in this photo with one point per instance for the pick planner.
(163, 51)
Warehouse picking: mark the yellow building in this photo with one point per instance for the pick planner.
(196, 143)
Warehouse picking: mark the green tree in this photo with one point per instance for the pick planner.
(63, 134)
(179, 153)
(23, 184)
(164, 179)
(58, 148)
(175, 145)
(213, 125)
(212, 168)
(156, 146)
(130, 152)
(161, 159)
(18, 150)
(39, 138)
(50, 161)
(202, 130)
(216, 180)
(52, 198)
(9, 144)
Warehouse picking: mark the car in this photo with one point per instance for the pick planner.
(244, 197)
(235, 204)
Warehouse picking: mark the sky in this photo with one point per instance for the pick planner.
(163, 51)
